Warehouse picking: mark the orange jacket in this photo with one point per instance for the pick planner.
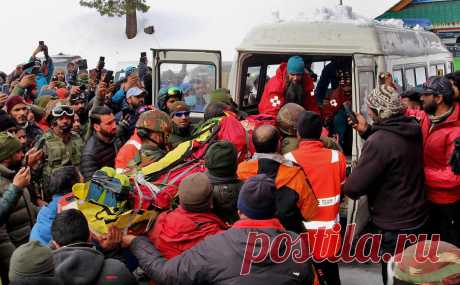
(295, 199)
(127, 152)
(326, 170)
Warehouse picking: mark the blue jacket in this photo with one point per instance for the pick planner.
(41, 231)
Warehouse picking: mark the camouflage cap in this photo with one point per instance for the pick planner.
(178, 106)
(286, 120)
(50, 106)
(155, 120)
(441, 267)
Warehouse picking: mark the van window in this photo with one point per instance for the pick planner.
(196, 80)
(410, 78)
(420, 75)
(398, 77)
(271, 70)
(440, 69)
(366, 85)
(252, 84)
(432, 70)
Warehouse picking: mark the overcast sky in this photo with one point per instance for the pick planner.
(207, 24)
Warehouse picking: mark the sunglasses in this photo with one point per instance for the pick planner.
(182, 114)
(60, 111)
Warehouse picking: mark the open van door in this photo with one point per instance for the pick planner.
(187, 69)
(364, 76)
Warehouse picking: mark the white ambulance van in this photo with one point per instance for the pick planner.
(410, 55)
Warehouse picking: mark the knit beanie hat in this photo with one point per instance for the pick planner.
(13, 101)
(9, 145)
(257, 198)
(220, 95)
(386, 101)
(295, 65)
(221, 159)
(441, 267)
(178, 106)
(195, 193)
(6, 121)
(31, 260)
(309, 125)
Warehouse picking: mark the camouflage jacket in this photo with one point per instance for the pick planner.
(57, 154)
(146, 155)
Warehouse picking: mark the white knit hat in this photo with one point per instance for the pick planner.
(386, 100)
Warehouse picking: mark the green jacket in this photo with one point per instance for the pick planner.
(56, 155)
(146, 155)
(178, 136)
(16, 230)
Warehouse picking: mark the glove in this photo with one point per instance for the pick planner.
(454, 160)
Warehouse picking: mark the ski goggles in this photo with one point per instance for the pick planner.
(174, 91)
(181, 114)
(62, 110)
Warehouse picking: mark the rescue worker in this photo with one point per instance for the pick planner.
(182, 128)
(295, 200)
(286, 122)
(291, 84)
(326, 171)
(154, 128)
(60, 146)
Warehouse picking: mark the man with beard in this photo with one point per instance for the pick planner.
(18, 109)
(441, 127)
(78, 102)
(291, 84)
(60, 146)
(129, 115)
(102, 147)
(390, 170)
(15, 199)
(182, 128)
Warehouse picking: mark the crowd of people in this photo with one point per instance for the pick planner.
(279, 172)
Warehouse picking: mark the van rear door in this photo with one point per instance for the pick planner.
(183, 68)
(364, 80)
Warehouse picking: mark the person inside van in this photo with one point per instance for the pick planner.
(329, 77)
(291, 84)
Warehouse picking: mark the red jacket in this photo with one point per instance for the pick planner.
(273, 96)
(178, 230)
(336, 100)
(443, 186)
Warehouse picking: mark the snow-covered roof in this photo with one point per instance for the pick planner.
(339, 31)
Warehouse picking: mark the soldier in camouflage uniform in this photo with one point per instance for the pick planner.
(286, 122)
(154, 128)
(60, 146)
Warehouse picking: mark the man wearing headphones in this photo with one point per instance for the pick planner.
(60, 146)
(154, 128)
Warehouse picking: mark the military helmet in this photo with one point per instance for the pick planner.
(51, 105)
(287, 118)
(155, 121)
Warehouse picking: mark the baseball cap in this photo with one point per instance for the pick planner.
(134, 91)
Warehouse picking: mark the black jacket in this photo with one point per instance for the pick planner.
(97, 154)
(81, 265)
(218, 260)
(390, 172)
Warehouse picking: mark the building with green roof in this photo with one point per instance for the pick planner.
(439, 16)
